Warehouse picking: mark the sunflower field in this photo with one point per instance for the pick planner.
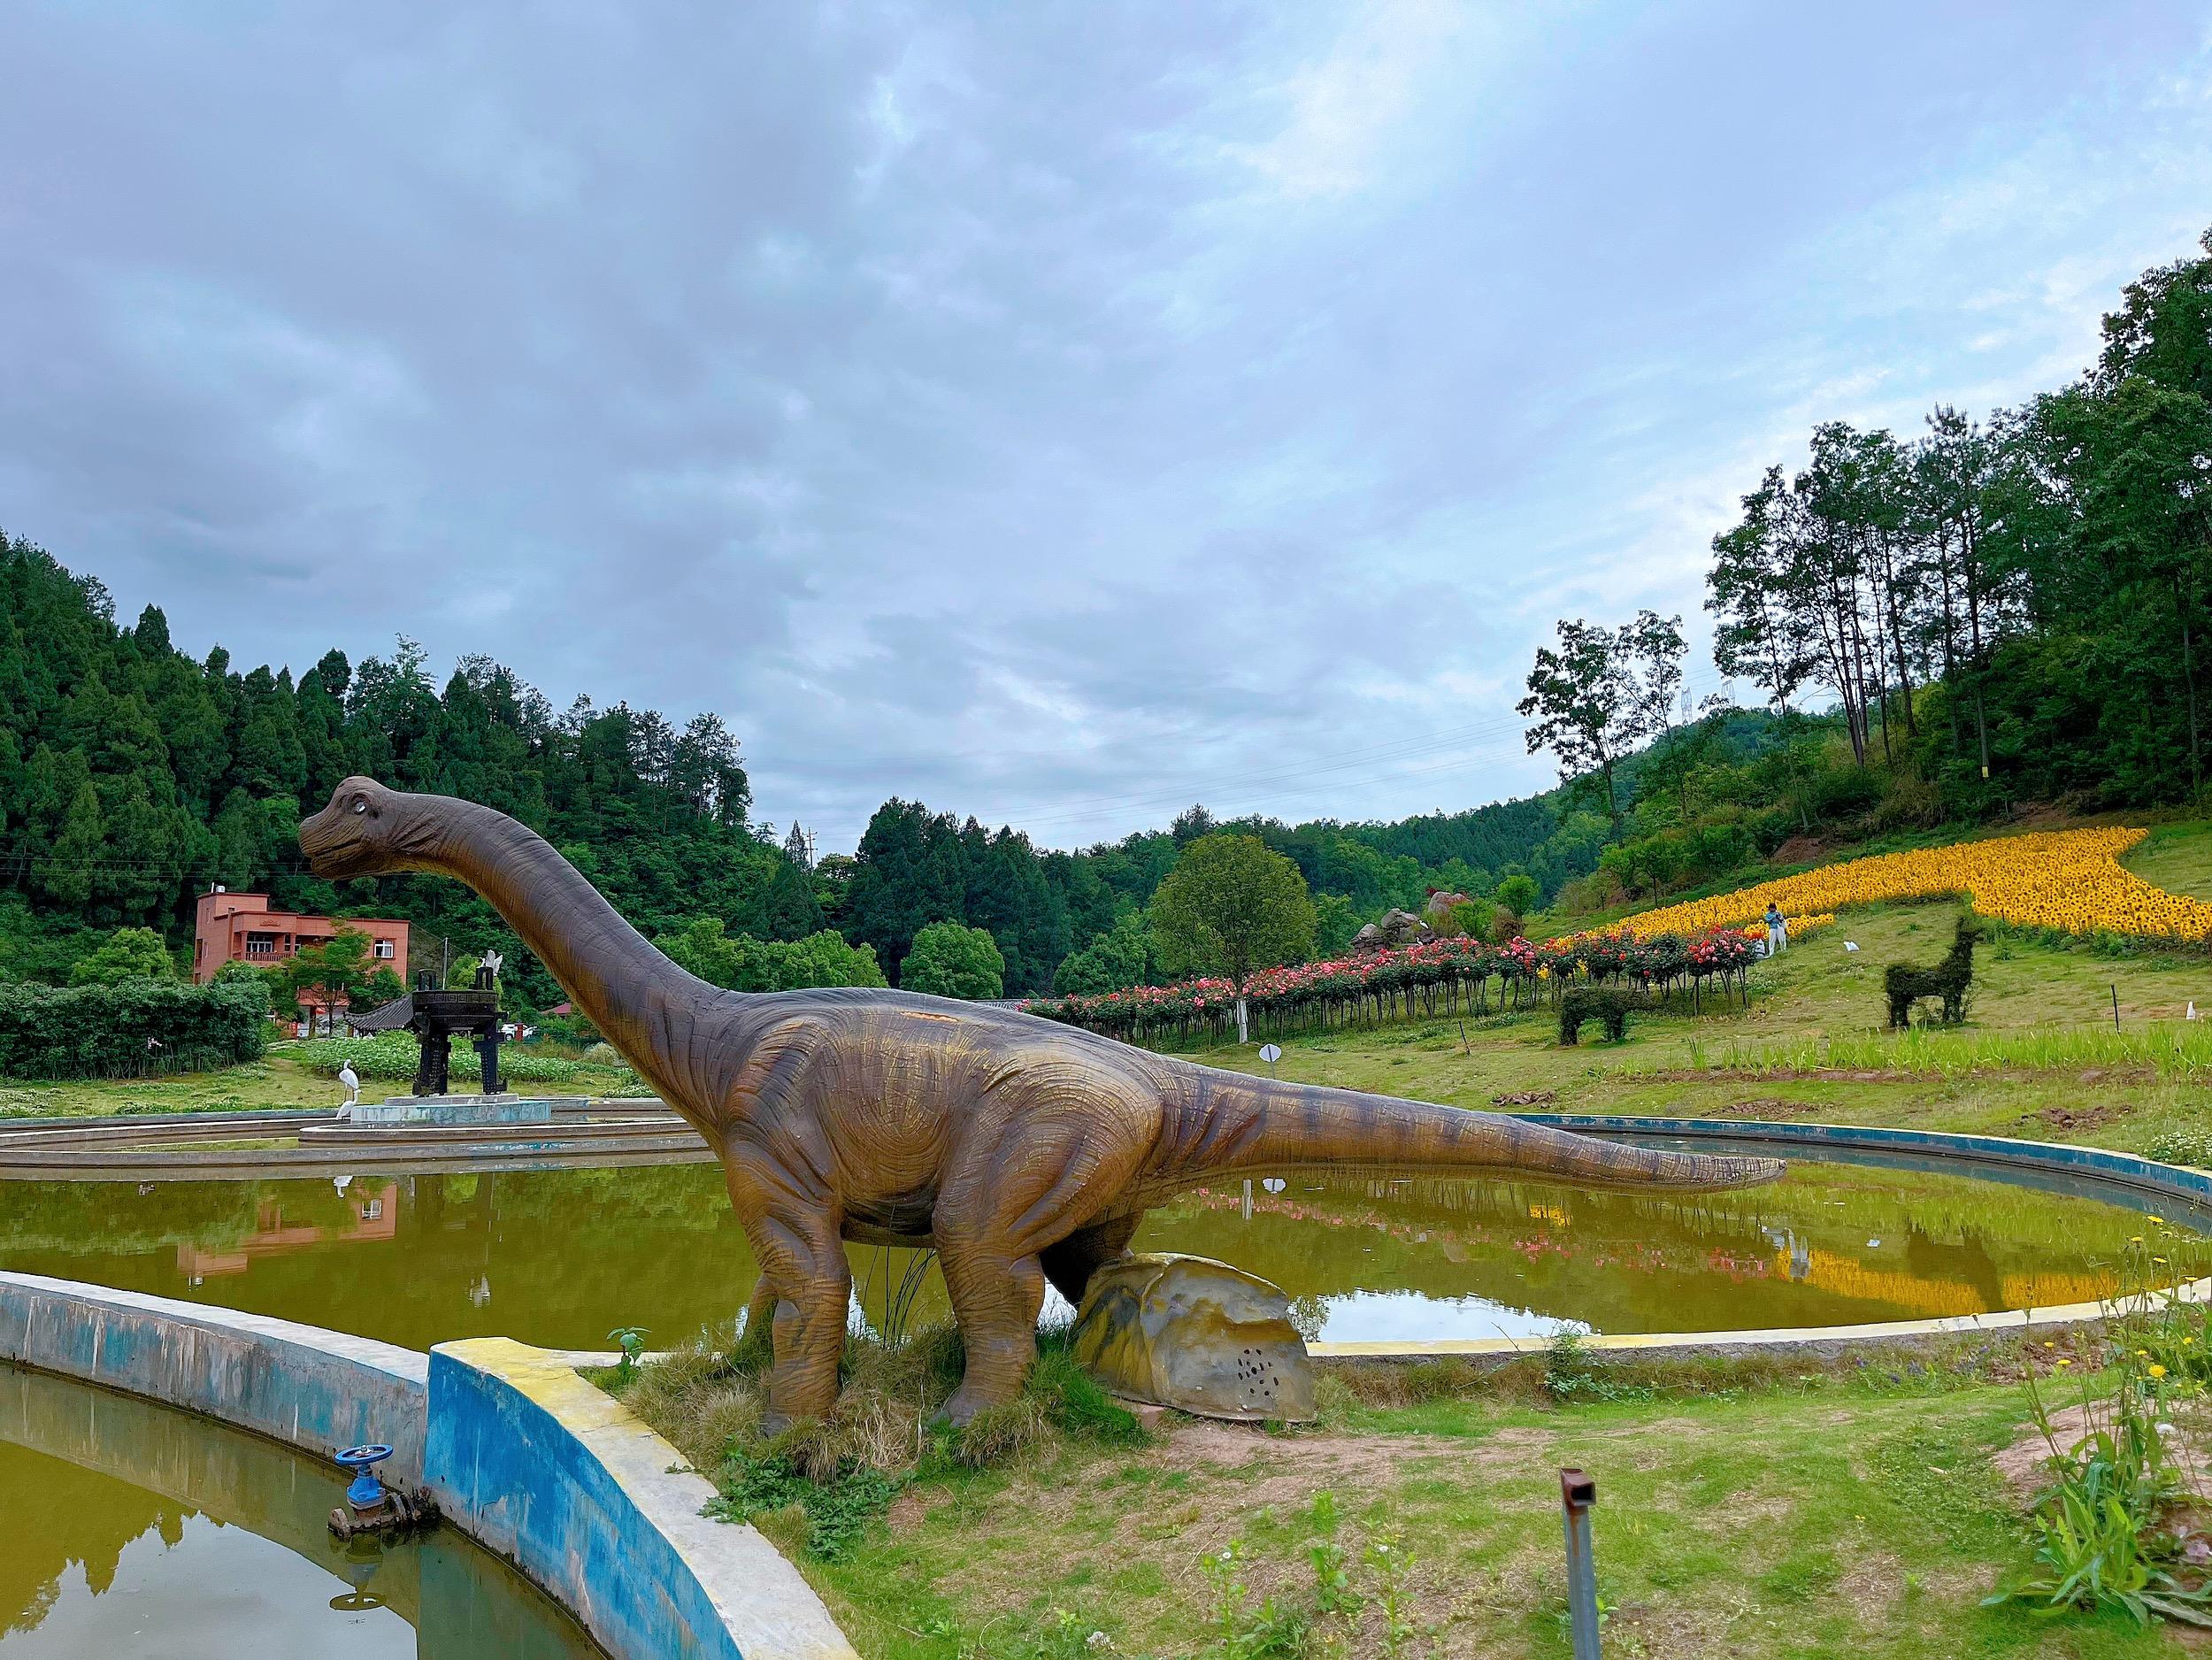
(2070, 881)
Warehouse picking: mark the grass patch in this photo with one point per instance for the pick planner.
(2169, 1051)
(1822, 1514)
(839, 1472)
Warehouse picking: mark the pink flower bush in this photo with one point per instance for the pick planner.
(1436, 976)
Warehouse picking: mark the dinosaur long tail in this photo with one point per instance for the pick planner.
(1226, 1122)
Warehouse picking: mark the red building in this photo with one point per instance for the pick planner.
(240, 929)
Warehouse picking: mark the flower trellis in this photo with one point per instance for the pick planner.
(1436, 978)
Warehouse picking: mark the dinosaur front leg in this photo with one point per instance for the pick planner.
(804, 1269)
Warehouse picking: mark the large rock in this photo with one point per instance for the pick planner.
(1190, 1332)
(1397, 928)
(1438, 912)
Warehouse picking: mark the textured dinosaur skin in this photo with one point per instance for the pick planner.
(1023, 1151)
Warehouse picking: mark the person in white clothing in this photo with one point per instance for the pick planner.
(1777, 931)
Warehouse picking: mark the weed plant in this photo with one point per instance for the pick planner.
(2111, 1527)
(1354, 1599)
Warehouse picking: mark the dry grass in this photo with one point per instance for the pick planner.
(707, 1399)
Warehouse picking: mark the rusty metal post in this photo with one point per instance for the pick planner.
(1578, 1493)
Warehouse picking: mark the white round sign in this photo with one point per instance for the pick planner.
(1270, 1053)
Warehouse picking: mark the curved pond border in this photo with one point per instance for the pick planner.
(160, 1146)
(550, 1472)
(2124, 1169)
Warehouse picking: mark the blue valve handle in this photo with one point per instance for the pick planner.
(364, 1491)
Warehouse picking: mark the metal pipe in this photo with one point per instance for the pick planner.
(1578, 1493)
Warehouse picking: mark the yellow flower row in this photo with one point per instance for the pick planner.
(2068, 879)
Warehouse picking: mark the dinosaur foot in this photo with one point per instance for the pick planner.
(964, 1404)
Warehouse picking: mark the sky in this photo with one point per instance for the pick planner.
(1058, 414)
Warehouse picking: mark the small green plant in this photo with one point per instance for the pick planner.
(2091, 1555)
(1607, 1609)
(838, 1510)
(1388, 1564)
(1572, 1374)
(2099, 1538)
(1241, 1632)
(631, 1340)
(1065, 1636)
(1334, 1593)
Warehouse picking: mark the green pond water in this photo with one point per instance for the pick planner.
(560, 1257)
(130, 1531)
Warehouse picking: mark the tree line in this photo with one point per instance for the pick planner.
(134, 776)
(2013, 606)
(1947, 624)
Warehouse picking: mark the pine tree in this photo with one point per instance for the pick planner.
(66, 876)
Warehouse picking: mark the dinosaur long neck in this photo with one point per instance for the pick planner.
(641, 1002)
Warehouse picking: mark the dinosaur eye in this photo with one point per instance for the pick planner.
(360, 803)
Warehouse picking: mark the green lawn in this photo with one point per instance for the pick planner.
(278, 1081)
(1862, 1518)
(1764, 1062)
(2177, 858)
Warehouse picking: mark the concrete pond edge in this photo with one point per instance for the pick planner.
(547, 1470)
(2143, 1176)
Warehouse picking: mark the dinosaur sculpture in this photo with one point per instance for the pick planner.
(1023, 1151)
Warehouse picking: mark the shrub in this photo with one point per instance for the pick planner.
(397, 1055)
(131, 1029)
(952, 960)
(128, 954)
(1472, 917)
(1518, 894)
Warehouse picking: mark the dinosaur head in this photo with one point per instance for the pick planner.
(368, 830)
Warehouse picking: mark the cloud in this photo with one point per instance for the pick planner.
(1062, 420)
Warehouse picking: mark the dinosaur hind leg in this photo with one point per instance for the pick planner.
(996, 1297)
(760, 1315)
(991, 1231)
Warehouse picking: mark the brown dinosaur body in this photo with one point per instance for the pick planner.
(1023, 1151)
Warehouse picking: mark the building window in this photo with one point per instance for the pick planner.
(261, 945)
(372, 1209)
(385, 950)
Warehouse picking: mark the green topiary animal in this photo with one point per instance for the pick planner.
(1906, 984)
(1611, 1004)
